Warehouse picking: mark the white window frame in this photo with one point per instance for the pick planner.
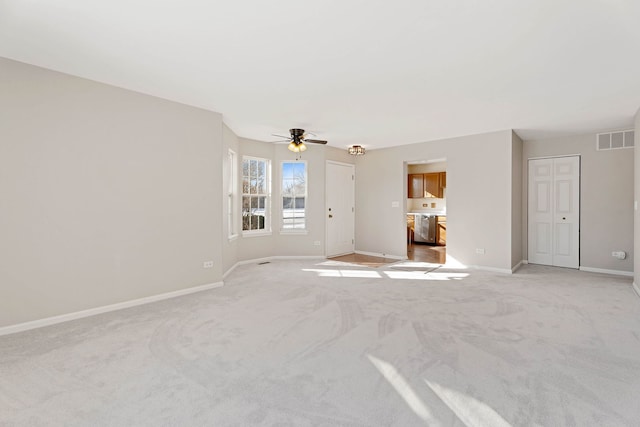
(232, 195)
(267, 207)
(304, 230)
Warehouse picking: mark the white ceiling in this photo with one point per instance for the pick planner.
(378, 73)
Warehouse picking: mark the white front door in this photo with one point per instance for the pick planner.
(340, 208)
(554, 211)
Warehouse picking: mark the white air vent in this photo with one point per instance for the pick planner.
(615, 140)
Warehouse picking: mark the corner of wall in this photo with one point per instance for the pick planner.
(636, 196)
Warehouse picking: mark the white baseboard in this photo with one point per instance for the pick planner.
(604, 271)
(48, 321)
(381, 255)
(525, 261)
(636, 288)
(517, 266)
(492, 269)
(267, 259)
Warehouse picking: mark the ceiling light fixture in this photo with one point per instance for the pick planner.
(356, 150)
(297, 147)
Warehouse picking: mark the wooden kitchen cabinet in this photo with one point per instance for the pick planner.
(416, 186)
(426, 185)
(441, 230)
(432, 185)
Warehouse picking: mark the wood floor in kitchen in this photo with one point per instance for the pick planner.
(427, 253)
(415, 252)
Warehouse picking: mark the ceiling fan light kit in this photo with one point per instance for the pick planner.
(356, 150)
(297, 148)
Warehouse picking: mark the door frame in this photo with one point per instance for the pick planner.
(526, 210)
(326, 202)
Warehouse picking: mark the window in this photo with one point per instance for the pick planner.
(255, 195)
(232, 191)
(294, 195)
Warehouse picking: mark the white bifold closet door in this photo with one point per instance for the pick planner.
(554, 211)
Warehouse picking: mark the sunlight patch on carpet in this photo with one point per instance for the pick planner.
(402, 387)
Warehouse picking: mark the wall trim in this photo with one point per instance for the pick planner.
(492, 269)
(267, 259)
(517, 266)
(525, 261)
(276, 257)
(605, 271)
(381, 255)
(636, 288)
(48, 321)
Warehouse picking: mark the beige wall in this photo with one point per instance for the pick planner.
(107, 195)
(606, 198)
(479, 174)
(516, 200)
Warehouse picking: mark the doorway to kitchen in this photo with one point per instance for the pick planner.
(426, 209)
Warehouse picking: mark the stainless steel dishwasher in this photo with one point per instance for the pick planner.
(425, 228)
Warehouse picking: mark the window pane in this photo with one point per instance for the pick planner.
(298, 169)
(293, 195)
(287, 188)
(287, 170)
(255, 187)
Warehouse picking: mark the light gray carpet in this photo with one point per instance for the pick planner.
(324, 343)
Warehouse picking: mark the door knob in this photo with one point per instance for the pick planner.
(330, 216)
(564, 218)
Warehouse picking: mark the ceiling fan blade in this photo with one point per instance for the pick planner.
(281, 136)
(280, 140)
(315, 141)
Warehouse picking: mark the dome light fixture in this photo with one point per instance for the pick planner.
(356, 150)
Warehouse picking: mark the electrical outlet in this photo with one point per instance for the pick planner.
(619, 254)
(316, 243)
(480, 251)
(424, 205)
(207, 264)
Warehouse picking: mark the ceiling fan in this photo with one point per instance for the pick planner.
(298, 139)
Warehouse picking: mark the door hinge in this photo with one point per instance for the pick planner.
(353, 177)
(353, 209)
(353, 241)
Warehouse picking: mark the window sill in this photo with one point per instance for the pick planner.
(294, 232)
(233, 237)
(256, 233)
